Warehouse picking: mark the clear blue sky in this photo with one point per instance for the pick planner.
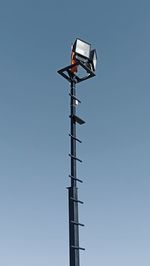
(35, 40)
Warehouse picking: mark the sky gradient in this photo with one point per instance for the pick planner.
(35, 41)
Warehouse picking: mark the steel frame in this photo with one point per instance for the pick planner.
(67, 73)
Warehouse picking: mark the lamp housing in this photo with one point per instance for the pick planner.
(93, 59)
(82, 50)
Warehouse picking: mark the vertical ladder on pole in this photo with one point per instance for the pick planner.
(74, 223)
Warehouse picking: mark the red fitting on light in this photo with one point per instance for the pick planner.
(73, 61)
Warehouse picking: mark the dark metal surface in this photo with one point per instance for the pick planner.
(75, 138)
(73, 190)
(74, 247)
(75, 158)
(77, 179)
(78, 120)
(74, 97)
(67, 74)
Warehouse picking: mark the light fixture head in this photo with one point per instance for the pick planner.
(93, 59)
(82, 50)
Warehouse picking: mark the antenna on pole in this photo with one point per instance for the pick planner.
(81, 57)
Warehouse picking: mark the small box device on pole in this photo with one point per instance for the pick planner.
(81, 57)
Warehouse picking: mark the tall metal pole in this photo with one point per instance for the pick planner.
(71, 75)
(73, 190)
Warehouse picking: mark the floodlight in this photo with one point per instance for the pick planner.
(93, 59)
(81, 50)
(83, 62)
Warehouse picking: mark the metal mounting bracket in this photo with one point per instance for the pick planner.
(69, 75)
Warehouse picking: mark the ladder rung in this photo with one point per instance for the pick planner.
(75, 247)
(77, 179)
(75, 138)
(75, 158)
(73, 222)
(79, 201)
(74, 97)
